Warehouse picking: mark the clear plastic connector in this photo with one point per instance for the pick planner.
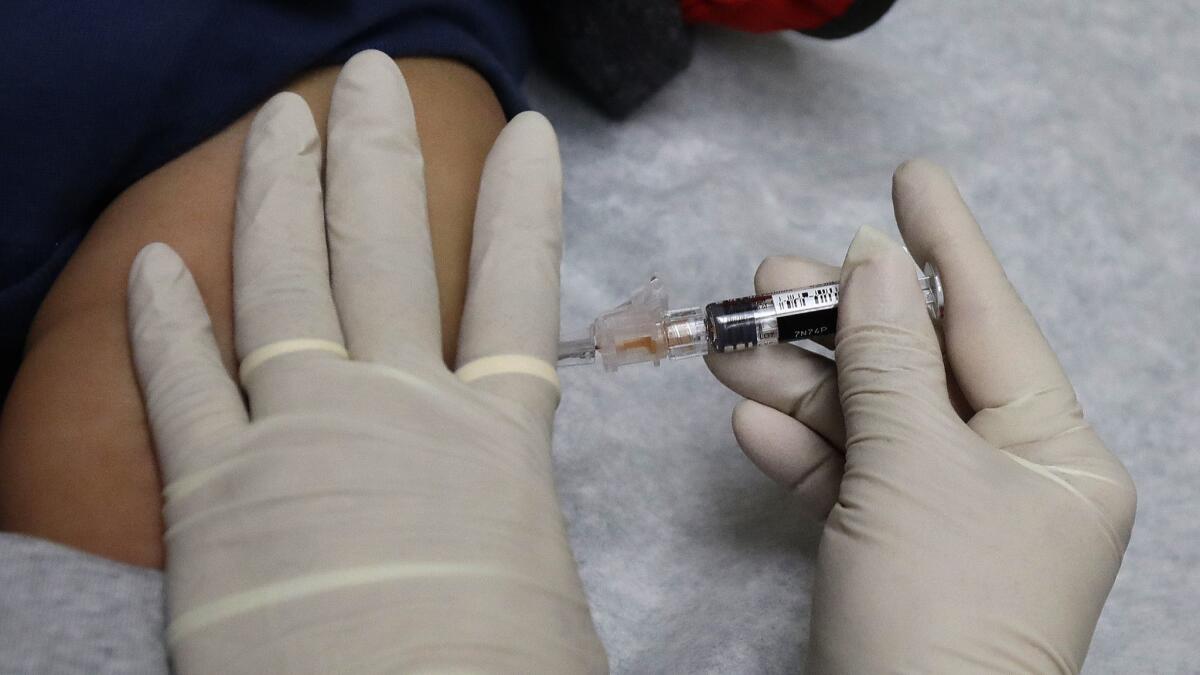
(642, 329)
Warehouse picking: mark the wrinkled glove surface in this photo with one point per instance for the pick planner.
(975, 521)
(365, 508)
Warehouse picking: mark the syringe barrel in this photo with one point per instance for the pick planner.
(792, 315)
(760, 320)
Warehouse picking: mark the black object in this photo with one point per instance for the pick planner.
(861, 16)
(616, 53)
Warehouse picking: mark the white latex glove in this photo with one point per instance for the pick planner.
(982, 539)
(371, 511)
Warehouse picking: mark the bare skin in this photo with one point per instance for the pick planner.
(76, 462)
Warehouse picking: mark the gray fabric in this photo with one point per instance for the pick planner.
(1072, 130)
(63, 611)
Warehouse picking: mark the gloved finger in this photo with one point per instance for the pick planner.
(790, 453)
(889, 365)
(283, 309)
(1006, 370)
(509, 339)
(791, 380)
(379, 245)
(786, 272)
(191, 401)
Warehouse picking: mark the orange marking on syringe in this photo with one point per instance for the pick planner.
(646, 343)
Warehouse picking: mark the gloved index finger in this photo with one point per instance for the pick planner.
(996, 350)
(282, 302)
(509, 338)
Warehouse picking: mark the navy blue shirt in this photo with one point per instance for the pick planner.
(95, 94)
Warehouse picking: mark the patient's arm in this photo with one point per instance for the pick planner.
(76, 464)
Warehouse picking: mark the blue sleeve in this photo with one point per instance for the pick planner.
(95, 95)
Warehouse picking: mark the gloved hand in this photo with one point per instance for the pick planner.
(977, 537)
(371, 510)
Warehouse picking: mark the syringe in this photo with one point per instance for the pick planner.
(644, 329)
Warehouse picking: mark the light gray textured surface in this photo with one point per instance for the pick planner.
(1073, 129)
(64, 612)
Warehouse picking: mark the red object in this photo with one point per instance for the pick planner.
(763, 16)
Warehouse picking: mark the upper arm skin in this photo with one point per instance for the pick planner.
(76, 461)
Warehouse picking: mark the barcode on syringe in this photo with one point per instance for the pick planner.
(806, 299)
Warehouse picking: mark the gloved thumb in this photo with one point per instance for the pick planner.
(890, 368)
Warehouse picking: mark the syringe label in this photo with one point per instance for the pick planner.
(806, 299)
(808, 324)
